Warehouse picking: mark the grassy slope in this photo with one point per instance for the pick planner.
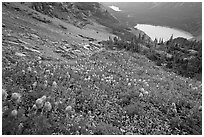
(110, 83)
(104, 88)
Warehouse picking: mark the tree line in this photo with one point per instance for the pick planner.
(179, 55)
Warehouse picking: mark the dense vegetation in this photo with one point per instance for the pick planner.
(178, 55)
(107, 93)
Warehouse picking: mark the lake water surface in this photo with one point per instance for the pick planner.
(162, 32)
(115, 8)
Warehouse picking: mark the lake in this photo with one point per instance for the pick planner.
(115, 8)
(162, 32)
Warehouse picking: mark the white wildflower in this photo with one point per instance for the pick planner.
(23, 71)
(39, 103)
(200, 108)
(44, 98)
(47, 71)
(20, 126)
(16, 97)
(89, 112)
(45, 76)
(68, 75)
(29, 69)
(174, 107)
(142, 90)
(175, 110)
(146, 92)
(4, 94)
(14, 112)
(34, 107)
(54, 84)
(68, 109)
(5, 108)
(34, 84)
(45, 83)
(47, 106)
(35, 72)
(140, 95)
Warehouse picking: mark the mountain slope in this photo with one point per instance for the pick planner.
(35, 28)
(183, 15)
(75, 11)
(58, 80)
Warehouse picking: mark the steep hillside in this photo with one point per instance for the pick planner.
(58, 78)
(33, 30)
(77, 13)
(84, 14)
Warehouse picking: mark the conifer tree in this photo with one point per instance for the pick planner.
(155, 40)
(171, 38)
(139, 36)
(115, 40)
(143, 37)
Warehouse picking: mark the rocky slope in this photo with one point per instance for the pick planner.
(77, 13)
